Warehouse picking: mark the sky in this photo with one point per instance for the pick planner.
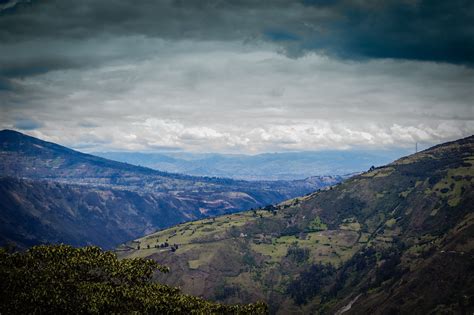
(237, 76)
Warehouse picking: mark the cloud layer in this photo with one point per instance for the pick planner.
(433, 30)
(237, 76)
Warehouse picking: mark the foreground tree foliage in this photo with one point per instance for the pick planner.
(63, 279)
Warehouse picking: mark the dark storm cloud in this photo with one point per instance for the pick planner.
(35, 66)
(27, 124)
(433, 30)
(5, 85)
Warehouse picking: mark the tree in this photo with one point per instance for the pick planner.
(297, 254)
(63, 279)
(310, 282)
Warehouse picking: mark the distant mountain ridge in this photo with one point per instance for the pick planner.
(56, 167)
(267, 166)
(50, 193)
(397, 239)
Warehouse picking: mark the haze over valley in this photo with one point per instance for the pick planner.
(268, 166)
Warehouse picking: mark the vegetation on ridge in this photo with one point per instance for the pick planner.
(62, 279)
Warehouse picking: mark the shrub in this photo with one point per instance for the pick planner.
(297, 254)
(310, 282)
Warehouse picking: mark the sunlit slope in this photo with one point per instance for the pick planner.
(398, 238)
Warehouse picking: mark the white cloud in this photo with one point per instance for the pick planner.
(225, 96)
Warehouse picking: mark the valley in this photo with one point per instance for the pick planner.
(237, 157)
(52, 194)
(400, 233)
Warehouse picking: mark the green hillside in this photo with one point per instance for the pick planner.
(396, 239)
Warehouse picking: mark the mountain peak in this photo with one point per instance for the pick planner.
(16, 142)
(13, 136)
(448, 150)
(7, 134)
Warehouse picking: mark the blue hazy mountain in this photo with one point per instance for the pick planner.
(267, 166)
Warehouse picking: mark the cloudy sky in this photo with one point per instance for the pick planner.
(237, 76)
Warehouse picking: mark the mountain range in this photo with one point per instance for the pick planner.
(50, 194)
(266, 166)
(397, 239)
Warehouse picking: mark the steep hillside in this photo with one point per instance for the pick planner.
(36, 212)
(396, 239)
(54, 194)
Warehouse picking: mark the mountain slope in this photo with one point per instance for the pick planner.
(396, 239)
(36, 212)
(109, 202)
